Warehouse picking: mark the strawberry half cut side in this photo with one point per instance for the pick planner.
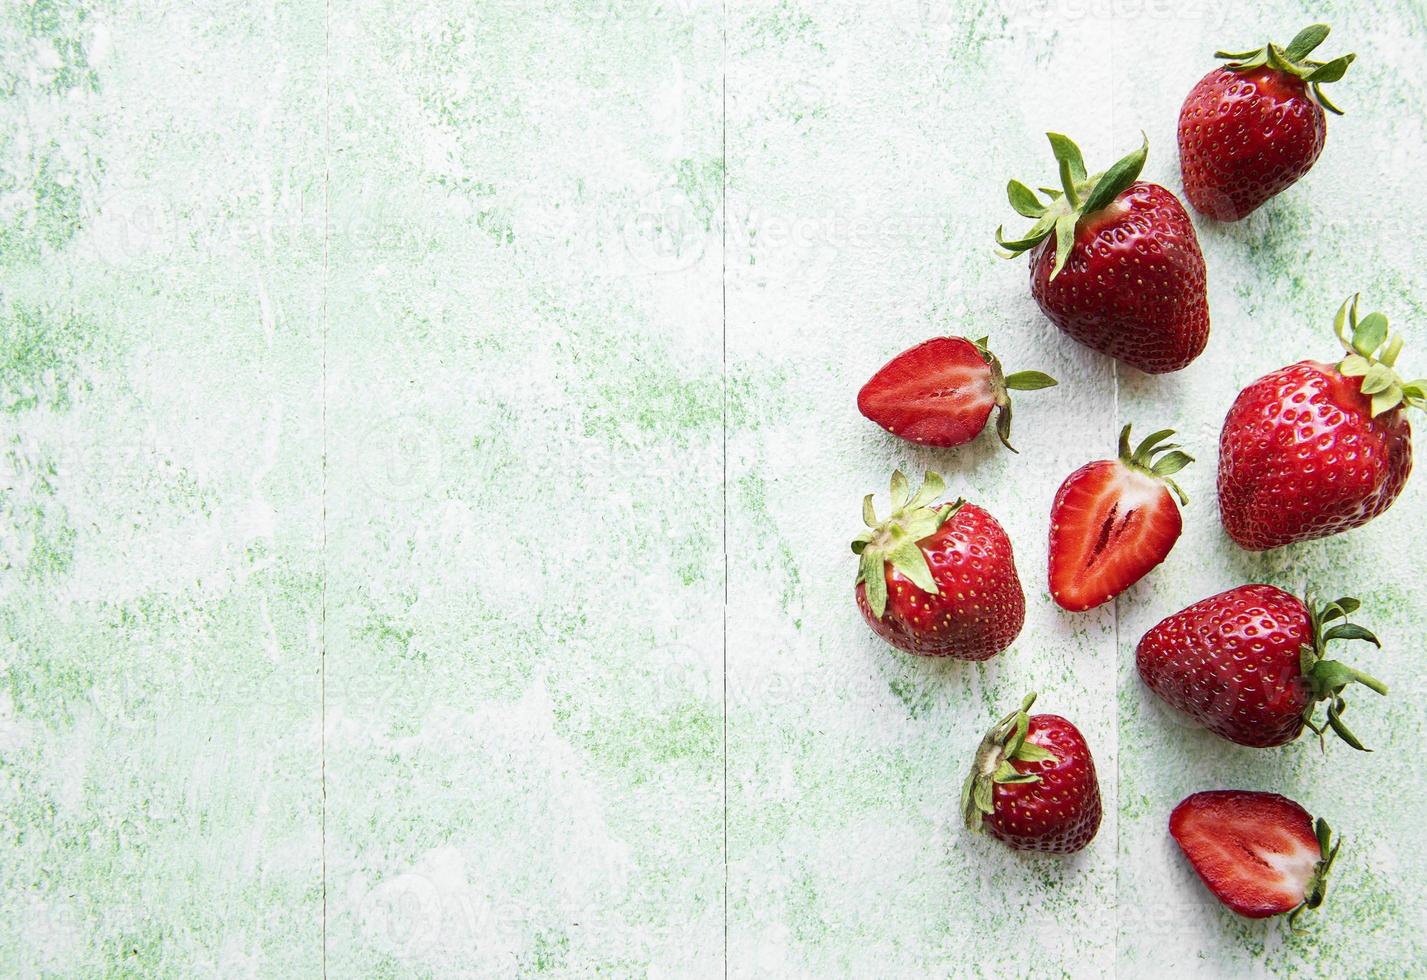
(1261, 854)
(1114, 520)
(942, 391)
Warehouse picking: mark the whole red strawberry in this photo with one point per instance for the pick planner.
(1259, 853)
(1113, 520)
(1253, 127)
(1314, 449)
(1033, 784)
(938, 579)
(941, 392)
(1249, 664)
(1115, 262)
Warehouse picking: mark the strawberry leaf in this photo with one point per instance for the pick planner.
(874, 581)
(1305, 41)
(1003, 427)
(1332, 71)
(1031, 752)
(1034, 237)
(932, 487)
(1064, 240)
(1354, 366)
(1378, 378)
(1072, 164)
(1340, 321)
(1386, 401)
(900, 489)
(1335, 721)
(1118, 178)
(908, 559)
(1324, 101)
(983, 795)
(1171, 463)
(1332, 675)
(1029, 381)
(1024, 200)
(1369, 334)
(1352, 631)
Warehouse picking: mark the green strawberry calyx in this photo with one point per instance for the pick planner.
(1328, 679)
(1079, 195)
(1318, 883)
(1372, 356)
(1143, 458)
(1006, 741)
(1294, 60)
(894, 541)
(1003, 384)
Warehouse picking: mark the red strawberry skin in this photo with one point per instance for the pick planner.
(980, 609)
(1109, 526)
(1255, 851)
(1244, 137)
(1301, 457)
(1134, 285)
(938, 393)
(1061, 813)
(1232, 663)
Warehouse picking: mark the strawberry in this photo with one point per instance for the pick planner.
(1113, 520)
(1033, 784)
(1253, 127)
(1259, 853)
(1249, 664)
(1122, 272)
(1314, 449)
(938, 580)
(941, 392)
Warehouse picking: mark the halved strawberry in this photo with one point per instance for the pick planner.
(1259, 853)
(1113, 520)
(941, 392)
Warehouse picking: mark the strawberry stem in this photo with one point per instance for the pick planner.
(1080, 194)
(1171, 460)
(1002, 385)
(1328, 679)
(1293, 60)
(1372, 351)
(992, 763)
(895, 541)
(1317, 889)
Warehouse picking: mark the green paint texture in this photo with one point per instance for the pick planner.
(428, 454)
